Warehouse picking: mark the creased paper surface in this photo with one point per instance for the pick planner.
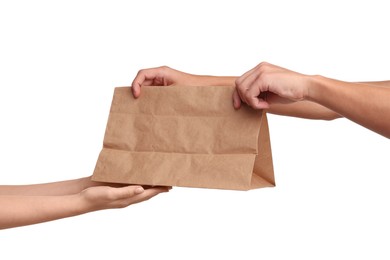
(184, 136)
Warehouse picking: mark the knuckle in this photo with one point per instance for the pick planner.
(238, 82)
(140, 72)
(263, 66)
(247, 96)
(240, 92)
(164, 68)
(242, 88)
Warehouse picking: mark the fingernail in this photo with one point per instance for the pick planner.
(139, 190)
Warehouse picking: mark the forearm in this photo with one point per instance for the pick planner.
(303, 109)
(48, 189)
(385, 83)
(203, 80)
(25, 210)
(312, 110)
(363, 103)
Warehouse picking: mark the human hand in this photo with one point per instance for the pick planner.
(266, 84)
(160, 76)
(106, 197)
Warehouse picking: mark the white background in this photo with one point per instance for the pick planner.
(59, 63)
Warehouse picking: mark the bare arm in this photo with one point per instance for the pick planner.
(30, 204)
(365, 104)
(385, 83)
(25, 210)
(54, 188)
(17, 210)
(279, 106)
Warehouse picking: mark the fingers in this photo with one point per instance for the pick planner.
(249, 91)
(245, 75)
(258, 103)
(140, 79)
(236, 100)
(125, 196)
(256, 98)
(148, 194)
(160, 76)
(126, 192)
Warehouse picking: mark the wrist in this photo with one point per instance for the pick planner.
(83, 183)
(83, 204)
(313, 87)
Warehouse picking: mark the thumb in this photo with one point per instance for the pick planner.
(258, 103)
(127, 192)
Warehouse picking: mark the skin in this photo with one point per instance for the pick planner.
(30, 204)
(285, 92)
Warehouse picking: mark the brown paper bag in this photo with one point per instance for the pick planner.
(185, 136)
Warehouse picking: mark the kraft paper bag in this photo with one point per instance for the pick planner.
(185, 136)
